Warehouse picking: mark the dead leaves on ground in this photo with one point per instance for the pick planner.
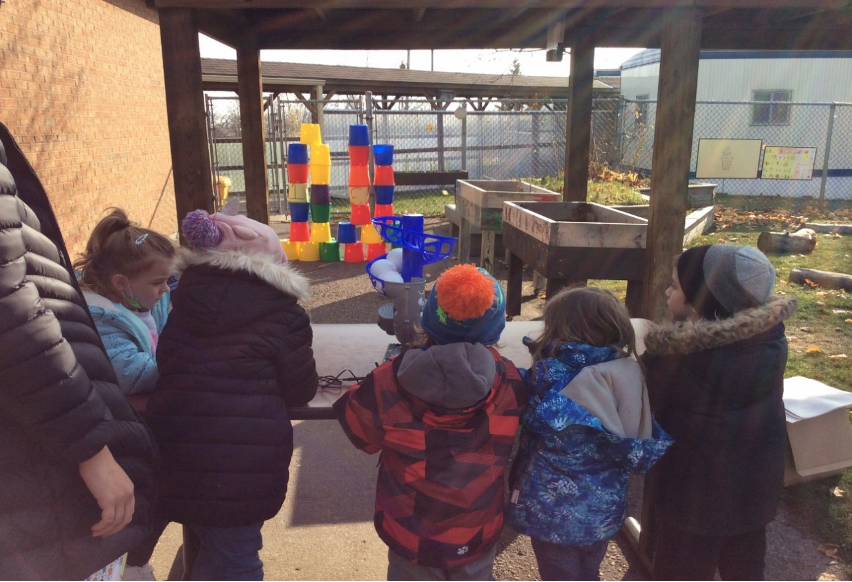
(727, 217)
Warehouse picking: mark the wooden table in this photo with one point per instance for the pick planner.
(479, 203)
(360, 347)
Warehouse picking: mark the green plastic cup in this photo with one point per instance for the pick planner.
(329, 252)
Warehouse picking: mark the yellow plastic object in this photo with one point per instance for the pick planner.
(320, 232)
(291, 249)
(310, 134)
(359, 195)
(370, 235)
(309, 252)
(222, 185)
(320, 154)
(297, 192)
(320, 174)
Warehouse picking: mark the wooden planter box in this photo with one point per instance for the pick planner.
(428, 178)
(698, 195)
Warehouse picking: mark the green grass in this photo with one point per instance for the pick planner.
(608, 193)
(425, 202)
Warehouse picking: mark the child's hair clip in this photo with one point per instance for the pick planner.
(141, 239)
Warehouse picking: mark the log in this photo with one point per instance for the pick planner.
(800, 242)
(826, 279)
(822, 228)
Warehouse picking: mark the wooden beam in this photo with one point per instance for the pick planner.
(185, 109)
(253, 134)
(408, 5)
(675, 119)
(578, 128)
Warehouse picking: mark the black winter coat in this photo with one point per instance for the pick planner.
(235, 353)
(716, 387)
(59, 400)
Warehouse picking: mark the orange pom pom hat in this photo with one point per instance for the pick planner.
(465, 305)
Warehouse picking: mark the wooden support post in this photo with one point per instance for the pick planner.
(486, 254)
(318, 112)
(185, 107)
(251, 121)
(579, 122)
(681, 40)
(514, 285)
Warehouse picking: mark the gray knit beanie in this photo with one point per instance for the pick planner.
(739, 277)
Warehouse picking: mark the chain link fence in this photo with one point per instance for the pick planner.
(523, 139)
(511, 139)
(824, 126)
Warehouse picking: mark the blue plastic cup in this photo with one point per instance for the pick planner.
(320, 194)
(383, 154)
(384, 194)
(297, 153)
(346, 233)
(359, 135)
(299, 211)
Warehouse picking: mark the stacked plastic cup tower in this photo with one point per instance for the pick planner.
(359, 196)
(383, 185)
(310, 241)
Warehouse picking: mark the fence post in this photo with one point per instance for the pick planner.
(831, 112)
(368, 98)
(464, 141)
(536, 131)
(440, 113)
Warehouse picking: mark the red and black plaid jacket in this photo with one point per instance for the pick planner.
(439, 493)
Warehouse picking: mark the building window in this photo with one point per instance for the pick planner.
(775, 110)
(642, 109)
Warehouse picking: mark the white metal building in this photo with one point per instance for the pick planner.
(784, 98)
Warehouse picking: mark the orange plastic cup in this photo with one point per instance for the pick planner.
(359, 176)
(297, 173)
(359, 155)
(376, 250)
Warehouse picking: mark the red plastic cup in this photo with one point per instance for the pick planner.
(376, 250)
(360, 214)
(384, 209)
(297, 173)
(353, 253)
(359, 155)
(359, 176)
(300, 232)
(383, 176)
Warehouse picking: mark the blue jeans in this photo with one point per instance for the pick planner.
(481, 569)
(561, 562)
(228, 553)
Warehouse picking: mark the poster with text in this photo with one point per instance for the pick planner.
(728, 158)
(788, 163)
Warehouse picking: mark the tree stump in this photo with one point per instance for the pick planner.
(826, 279)
(800, 242)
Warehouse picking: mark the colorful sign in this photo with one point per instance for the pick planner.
(788, 163)
(728, 158)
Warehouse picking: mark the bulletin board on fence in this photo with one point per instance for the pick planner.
(728, 158)
(788, 163)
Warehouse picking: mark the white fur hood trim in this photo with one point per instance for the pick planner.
(686, 337)
(280, 276)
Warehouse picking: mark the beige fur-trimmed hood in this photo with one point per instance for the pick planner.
(686, 337)
(280, 276)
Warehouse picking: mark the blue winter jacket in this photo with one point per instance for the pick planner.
(128, 341)
(569, 481)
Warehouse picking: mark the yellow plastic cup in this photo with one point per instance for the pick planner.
(320, 154)
(291, 249)
(370, 235)
(309, 252)
(320, 232)
(320, 174)
(359, 194)
(310, 134)
(297, 192)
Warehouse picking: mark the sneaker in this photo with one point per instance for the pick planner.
(145, 572)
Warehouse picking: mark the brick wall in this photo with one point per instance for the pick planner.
(81, 89)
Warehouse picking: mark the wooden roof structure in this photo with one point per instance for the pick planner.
(680, 28)
(221, 75)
